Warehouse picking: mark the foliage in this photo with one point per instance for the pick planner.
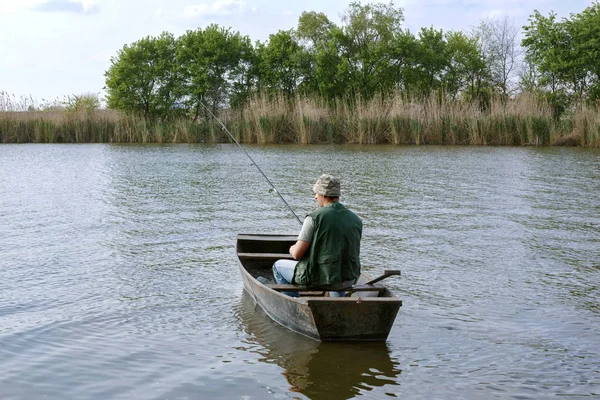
(83, 102)
(145, 77)
(564, 56)
(366, 40)
(370, 55)
(215, 65)
(280, 62)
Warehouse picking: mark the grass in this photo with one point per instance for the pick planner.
(275, 119)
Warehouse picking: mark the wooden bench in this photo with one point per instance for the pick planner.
(266, 256)
(352, 289)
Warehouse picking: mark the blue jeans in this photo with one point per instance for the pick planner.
(283, 271)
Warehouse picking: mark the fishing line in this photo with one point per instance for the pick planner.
(253, 162)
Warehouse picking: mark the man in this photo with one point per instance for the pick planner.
(328, 247)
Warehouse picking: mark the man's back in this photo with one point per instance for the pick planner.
(334, 254)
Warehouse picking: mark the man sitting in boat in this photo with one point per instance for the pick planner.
(328, 245)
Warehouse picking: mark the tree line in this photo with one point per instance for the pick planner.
(369, 54)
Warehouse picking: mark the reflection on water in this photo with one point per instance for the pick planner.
(317, 370)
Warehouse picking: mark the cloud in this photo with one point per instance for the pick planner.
(218, 8)
(77, 7)
(8, 7)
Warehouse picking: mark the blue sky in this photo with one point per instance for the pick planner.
(53, 48)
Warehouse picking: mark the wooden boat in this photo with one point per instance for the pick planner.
(367, 313)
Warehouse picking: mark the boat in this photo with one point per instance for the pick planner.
(367, 366)
(366, 313)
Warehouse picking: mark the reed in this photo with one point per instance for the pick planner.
(269, 119)
(99, 126)
(311, 120)
(398, 120)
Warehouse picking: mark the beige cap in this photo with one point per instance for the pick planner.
(327, 185)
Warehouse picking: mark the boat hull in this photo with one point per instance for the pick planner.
(365, 316)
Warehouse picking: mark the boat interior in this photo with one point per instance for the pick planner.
(257, 253)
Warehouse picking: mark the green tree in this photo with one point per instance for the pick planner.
(316, 28)
(546, 43)
(281, 61)
(333, 75)
(584, 56)
(403, 59)
(216, 65)
(366, 43)
(83, 102)
(467, 68)
(144, 77)
(322, 57)
(431, 61)
(547, 46)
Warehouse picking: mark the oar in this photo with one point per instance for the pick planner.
(386, 274)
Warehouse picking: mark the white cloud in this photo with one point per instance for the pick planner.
(87, 4)
(10, 6)
(76, 6)
(158, 12)
(218, 8)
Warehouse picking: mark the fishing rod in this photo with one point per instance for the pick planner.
(253, 162)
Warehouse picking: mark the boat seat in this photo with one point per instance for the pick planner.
(266, 256)
(294, 288)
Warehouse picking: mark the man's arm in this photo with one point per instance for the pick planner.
(304, 239)
(298, 250)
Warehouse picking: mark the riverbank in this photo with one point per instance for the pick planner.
(519, 122)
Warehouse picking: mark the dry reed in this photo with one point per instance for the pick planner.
(524, 120)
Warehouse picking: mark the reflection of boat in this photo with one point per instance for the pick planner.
(318, 370)
(366, 313)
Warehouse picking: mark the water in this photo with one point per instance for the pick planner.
(118, 275)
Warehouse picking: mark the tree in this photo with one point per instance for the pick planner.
(584, 32)
(315, 28)
(467, 71)
(322, 57)
(403, 60)
(333, 75)
(366, 42)
(499, 46)
(82, 102)
(563, 56)
(546, 43)
(432, 61)
(215, 64)
(144, 77)
(280, 63)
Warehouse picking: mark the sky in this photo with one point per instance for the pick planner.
(50, 49)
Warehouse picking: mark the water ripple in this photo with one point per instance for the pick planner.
(119, 277)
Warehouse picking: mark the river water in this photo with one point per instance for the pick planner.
(119, 280)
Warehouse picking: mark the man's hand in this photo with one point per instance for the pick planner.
(298, 250)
